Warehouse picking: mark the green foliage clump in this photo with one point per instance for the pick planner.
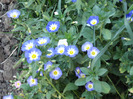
(108, 71)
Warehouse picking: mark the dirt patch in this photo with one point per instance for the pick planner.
(8, 49)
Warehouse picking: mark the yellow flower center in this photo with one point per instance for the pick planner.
(18, 84)
(49, 54)
(82, 76)
(53, 28)
(78, 71)
(14, 16)
(49, 66)
(71, 52)
(93, 53)
(42, 42)
(34, 56)
(33, 80)
(87, 47)
(61, 51)
(29, 47)
(94, 22)
(55, 72)
(90, 86)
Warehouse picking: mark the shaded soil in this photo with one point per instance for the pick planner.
(8, 49)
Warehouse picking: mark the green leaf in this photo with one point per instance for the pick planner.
(19, 28)
(70, 86)
(59, 5)
(131, 71)
(127, 25)
(101, 86)
(89, 78)
(106, 47)
(91, 3)
(27, 4)
(105, 87)
(102, 71)
(78, 4)
(19, 62)
(129, 30)
(96, 9)
(87, 95)
(87, 33)
(34, 69)
(25, 86)
(49, 93)
(69, 95)
(106, 34)
(80, 81)
(85, 70)
(130, 8)
(97, 85)
(130, 90)
(122, 69)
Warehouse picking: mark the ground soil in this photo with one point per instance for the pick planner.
(8, 49)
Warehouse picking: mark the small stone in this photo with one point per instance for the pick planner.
(3, 85)
(7, 75)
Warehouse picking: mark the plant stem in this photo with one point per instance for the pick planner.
(53, 86)
(94, 35)
(114, 86)
(76, 94)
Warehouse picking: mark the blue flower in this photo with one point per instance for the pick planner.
(41, 73)
(42, 41)
(33, 55)
(93, 20)
(32, 81)
(77, 71)
(71, 51)
(82, 75)
(60, 49)
(124, 38)
(92, 53)
(129, 16)
(89, 86)
(28, 45)
(8, 97)
(47, 65)
(86, 46)
(37, 70)
(74, 0)
(56, 73)
(13, 14)
(120, 0)
(51, 52)
(53, 26)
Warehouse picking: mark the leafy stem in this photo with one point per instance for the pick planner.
(94, 35)
(114, 86)
(53, 86)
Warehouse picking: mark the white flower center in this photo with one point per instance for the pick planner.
(93, 22)
(71, 51)
(87, 47)
(42, 41)
(93, 53)
(53, 27)
(29, 46)
(55, 72)
(33, 81)
(61, 50)
(90, 86)
(33, 55)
